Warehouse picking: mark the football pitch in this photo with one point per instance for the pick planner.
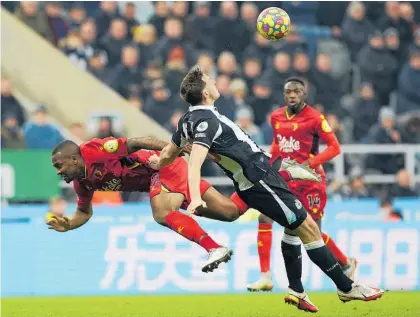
(393, 304)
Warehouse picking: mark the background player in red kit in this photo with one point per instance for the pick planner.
(297, 130)
(118, 165)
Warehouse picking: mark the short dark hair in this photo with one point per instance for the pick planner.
(192, 86)
(295, 79)
(68, 147)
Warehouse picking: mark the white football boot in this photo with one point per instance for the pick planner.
(360, 292)
(264, 284)
(301, 301)
(298, 171)
(217, 256)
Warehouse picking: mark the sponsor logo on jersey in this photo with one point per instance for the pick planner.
(298, 204)
(111, 146)
(325, 126)
(288, 145)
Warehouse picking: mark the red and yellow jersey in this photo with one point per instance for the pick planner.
(109, 167)
(298, 137)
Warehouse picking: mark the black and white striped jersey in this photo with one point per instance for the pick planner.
(240, 158)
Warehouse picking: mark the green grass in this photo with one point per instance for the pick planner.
(393, 304)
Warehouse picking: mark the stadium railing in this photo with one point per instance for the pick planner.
(409, 152)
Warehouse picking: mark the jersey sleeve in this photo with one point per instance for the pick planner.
(178, 138)
(100, 150)
(205, 130)
(84, 196)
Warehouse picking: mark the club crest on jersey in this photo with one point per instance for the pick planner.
(111, 146)
(202, 126)
(154, 180)
(298, 204)
(288, 145)
(98, 174)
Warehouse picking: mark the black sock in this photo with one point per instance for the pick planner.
(323, 258)
(292, 255)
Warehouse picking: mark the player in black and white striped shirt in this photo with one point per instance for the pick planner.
(257, 184)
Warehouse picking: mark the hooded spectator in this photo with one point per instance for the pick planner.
(356, 28)
(262, 101)
(108, 11)
(252, 71)
(145, 36)
(159, 17)
(30, 14)
(409, 83)
(328, 88)
(245, 120)
(11, 134)
(231, 31)
(174, 37)
(200, 27)
(366, 111)
(57, 24)
(9, 105)
(127, 76)
(403, 186)
(129, 16)
(158, 105)
(277, 74)
(114, 41)
(39, 133)
(378, 66)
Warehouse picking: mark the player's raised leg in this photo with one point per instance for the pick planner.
(165, 212)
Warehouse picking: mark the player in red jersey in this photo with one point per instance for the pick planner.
(118, 165)
(297, 130)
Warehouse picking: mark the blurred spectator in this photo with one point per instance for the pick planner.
(331, 13)
(158, 105)
(302, 68)
(206, 63)
(77, 15)
(145, 36)
(11, 134)
(175, 70)
(180, 9)
(73, 47)
(29, 13)
(249, 14)
(263, 101)
(96, 66)
(159, 17)
(106, 129)
(409, 83)
(172, 124)
(337, 127)
(153, 72)
(357, 187)
(225, 103)
(227, 65)
(292, 43)
(173, 38)
(407, 13)
(385, 133)
(91, 45)
(129, 16)
(239, 92)
(403, 186)
(114, 41)
(9, 105)
(58, 25)
(259, 48)
(244, 119)
(366, 112)
(78, 130)
(388, 212)
(252, 71)
(301, 12)
(277, 74)
(108, 11)
(231, 31)
(356, 28)
(328, 88)
(57, 207)
(392, 18)
(200, 27)
(136, 102)
(378, 66)
(127, 76)
(416, 43)
(267, 130)
(411, 130)
(392, 43)
(39, 133)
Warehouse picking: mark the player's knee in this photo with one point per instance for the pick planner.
(308, 231)
(160, 217)
(264, 219)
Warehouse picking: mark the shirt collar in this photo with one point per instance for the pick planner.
(202, 107)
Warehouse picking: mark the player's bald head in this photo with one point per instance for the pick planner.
(66, 148)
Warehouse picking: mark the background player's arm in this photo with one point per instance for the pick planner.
(324, 131)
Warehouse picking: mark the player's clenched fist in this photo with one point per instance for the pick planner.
(60, 224)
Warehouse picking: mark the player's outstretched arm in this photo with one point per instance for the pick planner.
(63, 224)
(197, 157)
(168, 155)
(145, 143)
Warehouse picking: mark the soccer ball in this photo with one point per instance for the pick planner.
(273, 23)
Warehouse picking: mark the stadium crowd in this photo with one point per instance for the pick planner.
(361, 62)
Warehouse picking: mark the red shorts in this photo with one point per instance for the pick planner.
(312, 195)
(174, 179)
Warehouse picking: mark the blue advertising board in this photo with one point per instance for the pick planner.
(122, 251)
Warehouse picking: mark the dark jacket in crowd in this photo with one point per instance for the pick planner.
(103, 21)
(201, 32)
(126, 80)
(231, 36)
(331, 13)
(356, 34)
(328, 89)
(166, 45)
(160, 111)
(261, 106)
(399, 191)
(408, 89)
(10, 106)
(113, 48)
(365, 116)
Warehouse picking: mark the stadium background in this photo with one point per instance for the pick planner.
(94, 69)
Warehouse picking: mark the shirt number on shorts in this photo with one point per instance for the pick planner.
(313, 201)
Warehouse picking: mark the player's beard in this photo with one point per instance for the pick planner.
(296, 108)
